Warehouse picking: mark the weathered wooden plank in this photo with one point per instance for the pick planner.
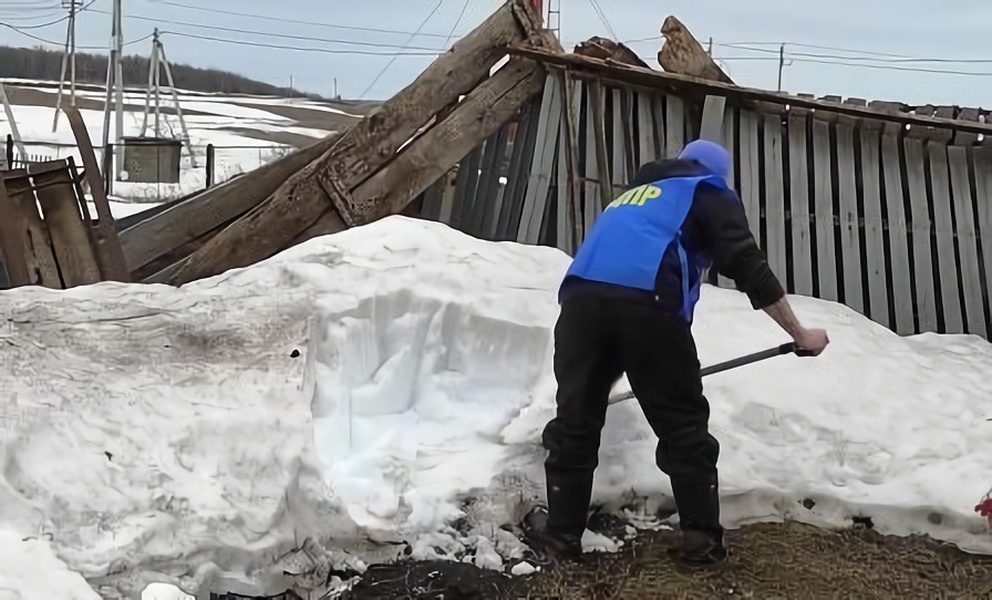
(674, 125)
(491, 189)
(750, 171)
(920, 230)
(468, 182)
(597, 112)
(486, 175)
(823, 217)
(591, 203)
(373, 141)
(898, 232)
(802, 243)
(432, 201)
(618, 172)
(871, 185)
(447, 196)
(658, 103)
(729, 140)
(982, 158)
(188, 220)
(565, 243)
(113, 264)
(712, 124)
(682, 84)
(774, 195)
(947, 267)
(514, 177)
(850, 234)
(76, 259)
(42, 267)
(975, 319)
(527, 141)
(627, 108)
(647, 147)
(539, 183)
(13, 226)
(573, 108)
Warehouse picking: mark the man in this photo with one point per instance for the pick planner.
(627, 306)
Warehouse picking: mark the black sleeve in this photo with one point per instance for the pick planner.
(735, 252)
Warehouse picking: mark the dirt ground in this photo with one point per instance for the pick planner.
(768, 561)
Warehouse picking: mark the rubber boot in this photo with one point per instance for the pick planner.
(550, 546)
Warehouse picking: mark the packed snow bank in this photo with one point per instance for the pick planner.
(29, 569)
(390, 383)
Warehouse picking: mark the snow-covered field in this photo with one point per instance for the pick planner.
(222, 118)
(372, 386)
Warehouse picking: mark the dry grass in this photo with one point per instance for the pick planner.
(768, 561)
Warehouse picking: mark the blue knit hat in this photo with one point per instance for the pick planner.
(711, 155)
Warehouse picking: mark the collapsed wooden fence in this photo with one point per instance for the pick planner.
(872, 206)
(880, 206)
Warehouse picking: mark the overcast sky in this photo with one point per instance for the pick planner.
(745, 33)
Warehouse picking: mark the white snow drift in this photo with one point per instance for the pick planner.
(375, 385)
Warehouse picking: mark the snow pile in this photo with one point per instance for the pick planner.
(389, 384)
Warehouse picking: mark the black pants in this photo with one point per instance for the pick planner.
(597, 339)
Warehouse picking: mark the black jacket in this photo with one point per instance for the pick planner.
(716, 227)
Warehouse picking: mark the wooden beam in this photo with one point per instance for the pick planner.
(711, 128)
(603, 48)
(109, 252)
(682, 54)
(76, 257)
(327, 182)
(376, 139)
(189, 220)
(12, 227)
(42, 267)
(482, 113)
(597, 108)
(623, 74)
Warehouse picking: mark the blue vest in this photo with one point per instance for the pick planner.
(629, 239)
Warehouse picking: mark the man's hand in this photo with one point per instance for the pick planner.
(810, 342)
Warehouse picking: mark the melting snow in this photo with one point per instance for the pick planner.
(376, 385)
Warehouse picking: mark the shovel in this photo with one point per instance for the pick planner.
(789, 348)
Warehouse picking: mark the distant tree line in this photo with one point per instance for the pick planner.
(45, 64)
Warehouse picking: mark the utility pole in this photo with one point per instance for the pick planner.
(115, 81)
(781, 65)
(709, 48)
(158, 62)
(68, 56)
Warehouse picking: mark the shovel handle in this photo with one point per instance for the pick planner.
(789, 348)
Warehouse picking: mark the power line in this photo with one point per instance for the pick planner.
(270, 34)
(57, 21)
(297, 48)
(295, 21)
(410, 39)
(819, 47)
(894, 68)
(891, 64)
(458, 21)
(50, 42)
(602, 18)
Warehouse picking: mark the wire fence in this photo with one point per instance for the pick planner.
(174, 171)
